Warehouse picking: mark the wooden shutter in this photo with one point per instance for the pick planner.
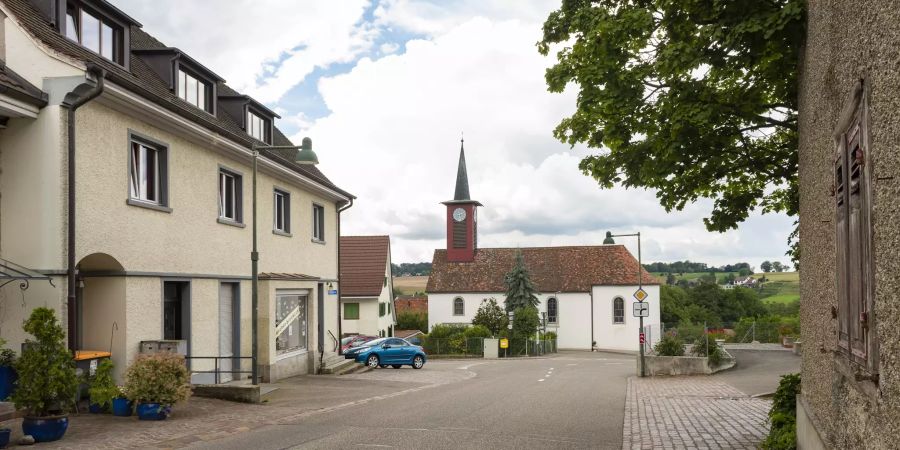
(459, 234)
(841, 231)
(857, 245)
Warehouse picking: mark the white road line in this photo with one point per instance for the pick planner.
(375, 445)
(541, 379)
(573, 364)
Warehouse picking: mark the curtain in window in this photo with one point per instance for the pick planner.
(290, 323)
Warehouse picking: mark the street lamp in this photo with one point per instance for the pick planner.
(608, 241)
(304, 156)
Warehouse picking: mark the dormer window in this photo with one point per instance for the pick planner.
(257, 126)
(94, 32)
(192, 90)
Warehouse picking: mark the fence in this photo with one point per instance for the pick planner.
(474, 347)
(217, 369)
(765, 330)
(528, 347)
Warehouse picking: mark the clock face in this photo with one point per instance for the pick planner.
(459, 214)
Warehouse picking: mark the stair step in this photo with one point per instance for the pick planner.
(336, 368)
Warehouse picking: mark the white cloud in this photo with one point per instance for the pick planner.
(261, 48)
(393, 139)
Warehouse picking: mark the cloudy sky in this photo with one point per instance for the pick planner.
(385, 88)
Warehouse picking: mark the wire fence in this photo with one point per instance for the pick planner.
(474, 347)
(779, 330)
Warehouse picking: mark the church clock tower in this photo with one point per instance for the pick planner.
(462, 225)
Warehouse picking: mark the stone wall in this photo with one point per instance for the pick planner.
(848, 41)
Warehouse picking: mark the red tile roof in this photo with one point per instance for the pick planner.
(415, 304)
(553, 269)
(364, 261)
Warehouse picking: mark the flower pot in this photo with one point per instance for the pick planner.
(7, 382)
(45, 429)
(4, 437)
(121, 407)
(152, 411)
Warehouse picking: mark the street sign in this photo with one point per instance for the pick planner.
(641, 294)
(504, 343)
(642, 338)
(641, 309)
(332, 292)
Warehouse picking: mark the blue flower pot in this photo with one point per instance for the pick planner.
(152, 411)
(7, 382)
(121, 407)
(45, 429)
(4, 437)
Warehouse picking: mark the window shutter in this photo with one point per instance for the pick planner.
(857, 246)
(841, 232)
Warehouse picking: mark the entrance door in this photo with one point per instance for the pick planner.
(228, 312)
(176, 311)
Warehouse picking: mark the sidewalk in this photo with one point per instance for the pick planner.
(691, 412)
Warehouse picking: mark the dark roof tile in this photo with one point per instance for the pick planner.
(364, 260)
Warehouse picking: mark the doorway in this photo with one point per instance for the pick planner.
(229, 330)
(177, 311)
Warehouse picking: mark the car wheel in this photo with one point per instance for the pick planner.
(372, 361)
(418, 362)
(396, 366)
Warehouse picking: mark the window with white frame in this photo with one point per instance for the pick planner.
(459, 306)
(552, 308)
(290, 322)
(318, 223)
(192, 90)
(230, 196)
(618, 310)
(282, 211)
(256, 126)
(147, 173)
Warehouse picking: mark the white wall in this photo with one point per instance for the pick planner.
(573, 326)
(368, 317)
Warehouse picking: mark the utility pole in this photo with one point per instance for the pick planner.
(609, 240)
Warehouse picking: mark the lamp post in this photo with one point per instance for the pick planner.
(305, 155)
(609, 240)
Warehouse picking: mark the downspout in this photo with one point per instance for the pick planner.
(82, 94)
(592, 318)
(340, 210)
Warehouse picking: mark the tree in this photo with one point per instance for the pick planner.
(766, 266)
(777, 266)
(525, 322)
(745, 272)
(520, 291)
(670, 279)
(491, 316)
(692, 98)
(729, 279)
(409, 320)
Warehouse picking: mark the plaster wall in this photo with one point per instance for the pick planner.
(368, 317)
(624, 336)
(846, 42)
(104, 310)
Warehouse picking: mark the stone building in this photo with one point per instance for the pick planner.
(849, 125)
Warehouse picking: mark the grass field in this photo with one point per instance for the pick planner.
(409, 285)
(781, 287)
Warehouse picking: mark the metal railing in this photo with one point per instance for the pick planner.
(519, 347)
(218, 370)
(764, 330)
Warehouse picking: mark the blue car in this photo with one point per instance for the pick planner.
(394, 352)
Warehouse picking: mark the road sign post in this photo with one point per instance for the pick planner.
(641, 309)
(640, 294)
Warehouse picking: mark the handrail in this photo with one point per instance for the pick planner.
(336, 341)
(217, 370)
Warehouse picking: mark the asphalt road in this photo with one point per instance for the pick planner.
(573, 400)
(759, 371)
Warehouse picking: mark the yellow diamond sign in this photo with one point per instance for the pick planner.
(641, 294)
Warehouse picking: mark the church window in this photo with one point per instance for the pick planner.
(618, 310)
(551, 310)
(459, 307)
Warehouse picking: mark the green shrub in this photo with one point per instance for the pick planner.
(409, 320)
(47, 381)
(550, 335)
(158, 378)
(7, 357)
(669, 345)
(103, 390)
(715, 354)
(783, 415)
(477, 331)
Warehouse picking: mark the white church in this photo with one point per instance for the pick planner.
(586, 291)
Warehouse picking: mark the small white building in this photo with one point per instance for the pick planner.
(367, 292)
(586, 292)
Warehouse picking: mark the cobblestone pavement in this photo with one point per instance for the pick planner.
(691, 413)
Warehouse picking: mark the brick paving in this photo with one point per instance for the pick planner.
(691, 413)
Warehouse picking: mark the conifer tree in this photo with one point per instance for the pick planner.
(520, 291)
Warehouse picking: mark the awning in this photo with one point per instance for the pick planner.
(10, 271)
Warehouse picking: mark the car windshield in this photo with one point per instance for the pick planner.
(347, 340)
(374, 342)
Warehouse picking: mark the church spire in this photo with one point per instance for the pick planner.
(462, 177)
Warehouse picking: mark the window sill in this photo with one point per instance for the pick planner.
(224, 221)
(618, 323)
(153, 206)
(317, 241)
(348, 318)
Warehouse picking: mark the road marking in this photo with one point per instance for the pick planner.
(541, 379)
(375, 445)
(573, 364)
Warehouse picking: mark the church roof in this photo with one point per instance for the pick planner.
(364, 261)
(553, 269)
(461, 194)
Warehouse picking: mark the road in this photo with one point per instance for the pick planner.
(759, 371)
(573, 400)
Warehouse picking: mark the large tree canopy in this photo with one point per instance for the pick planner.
(692, 98)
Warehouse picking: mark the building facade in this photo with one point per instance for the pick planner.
(162, 166)
(586, 292)
(367, 294)
(849, 210)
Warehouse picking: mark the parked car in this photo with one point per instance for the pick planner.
(354, 341)
(394, 352)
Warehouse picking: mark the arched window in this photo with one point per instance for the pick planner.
(459, 307)
(618, 310)
(551, 310)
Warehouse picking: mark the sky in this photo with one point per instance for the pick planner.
(386, 89)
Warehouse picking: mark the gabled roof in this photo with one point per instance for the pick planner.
(143, 81)
(364, 261)
(553, 269)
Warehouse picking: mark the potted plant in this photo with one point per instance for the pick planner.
(7, 372)
(102, 388)
(121, 406)
(155, 382)
(47, 382)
